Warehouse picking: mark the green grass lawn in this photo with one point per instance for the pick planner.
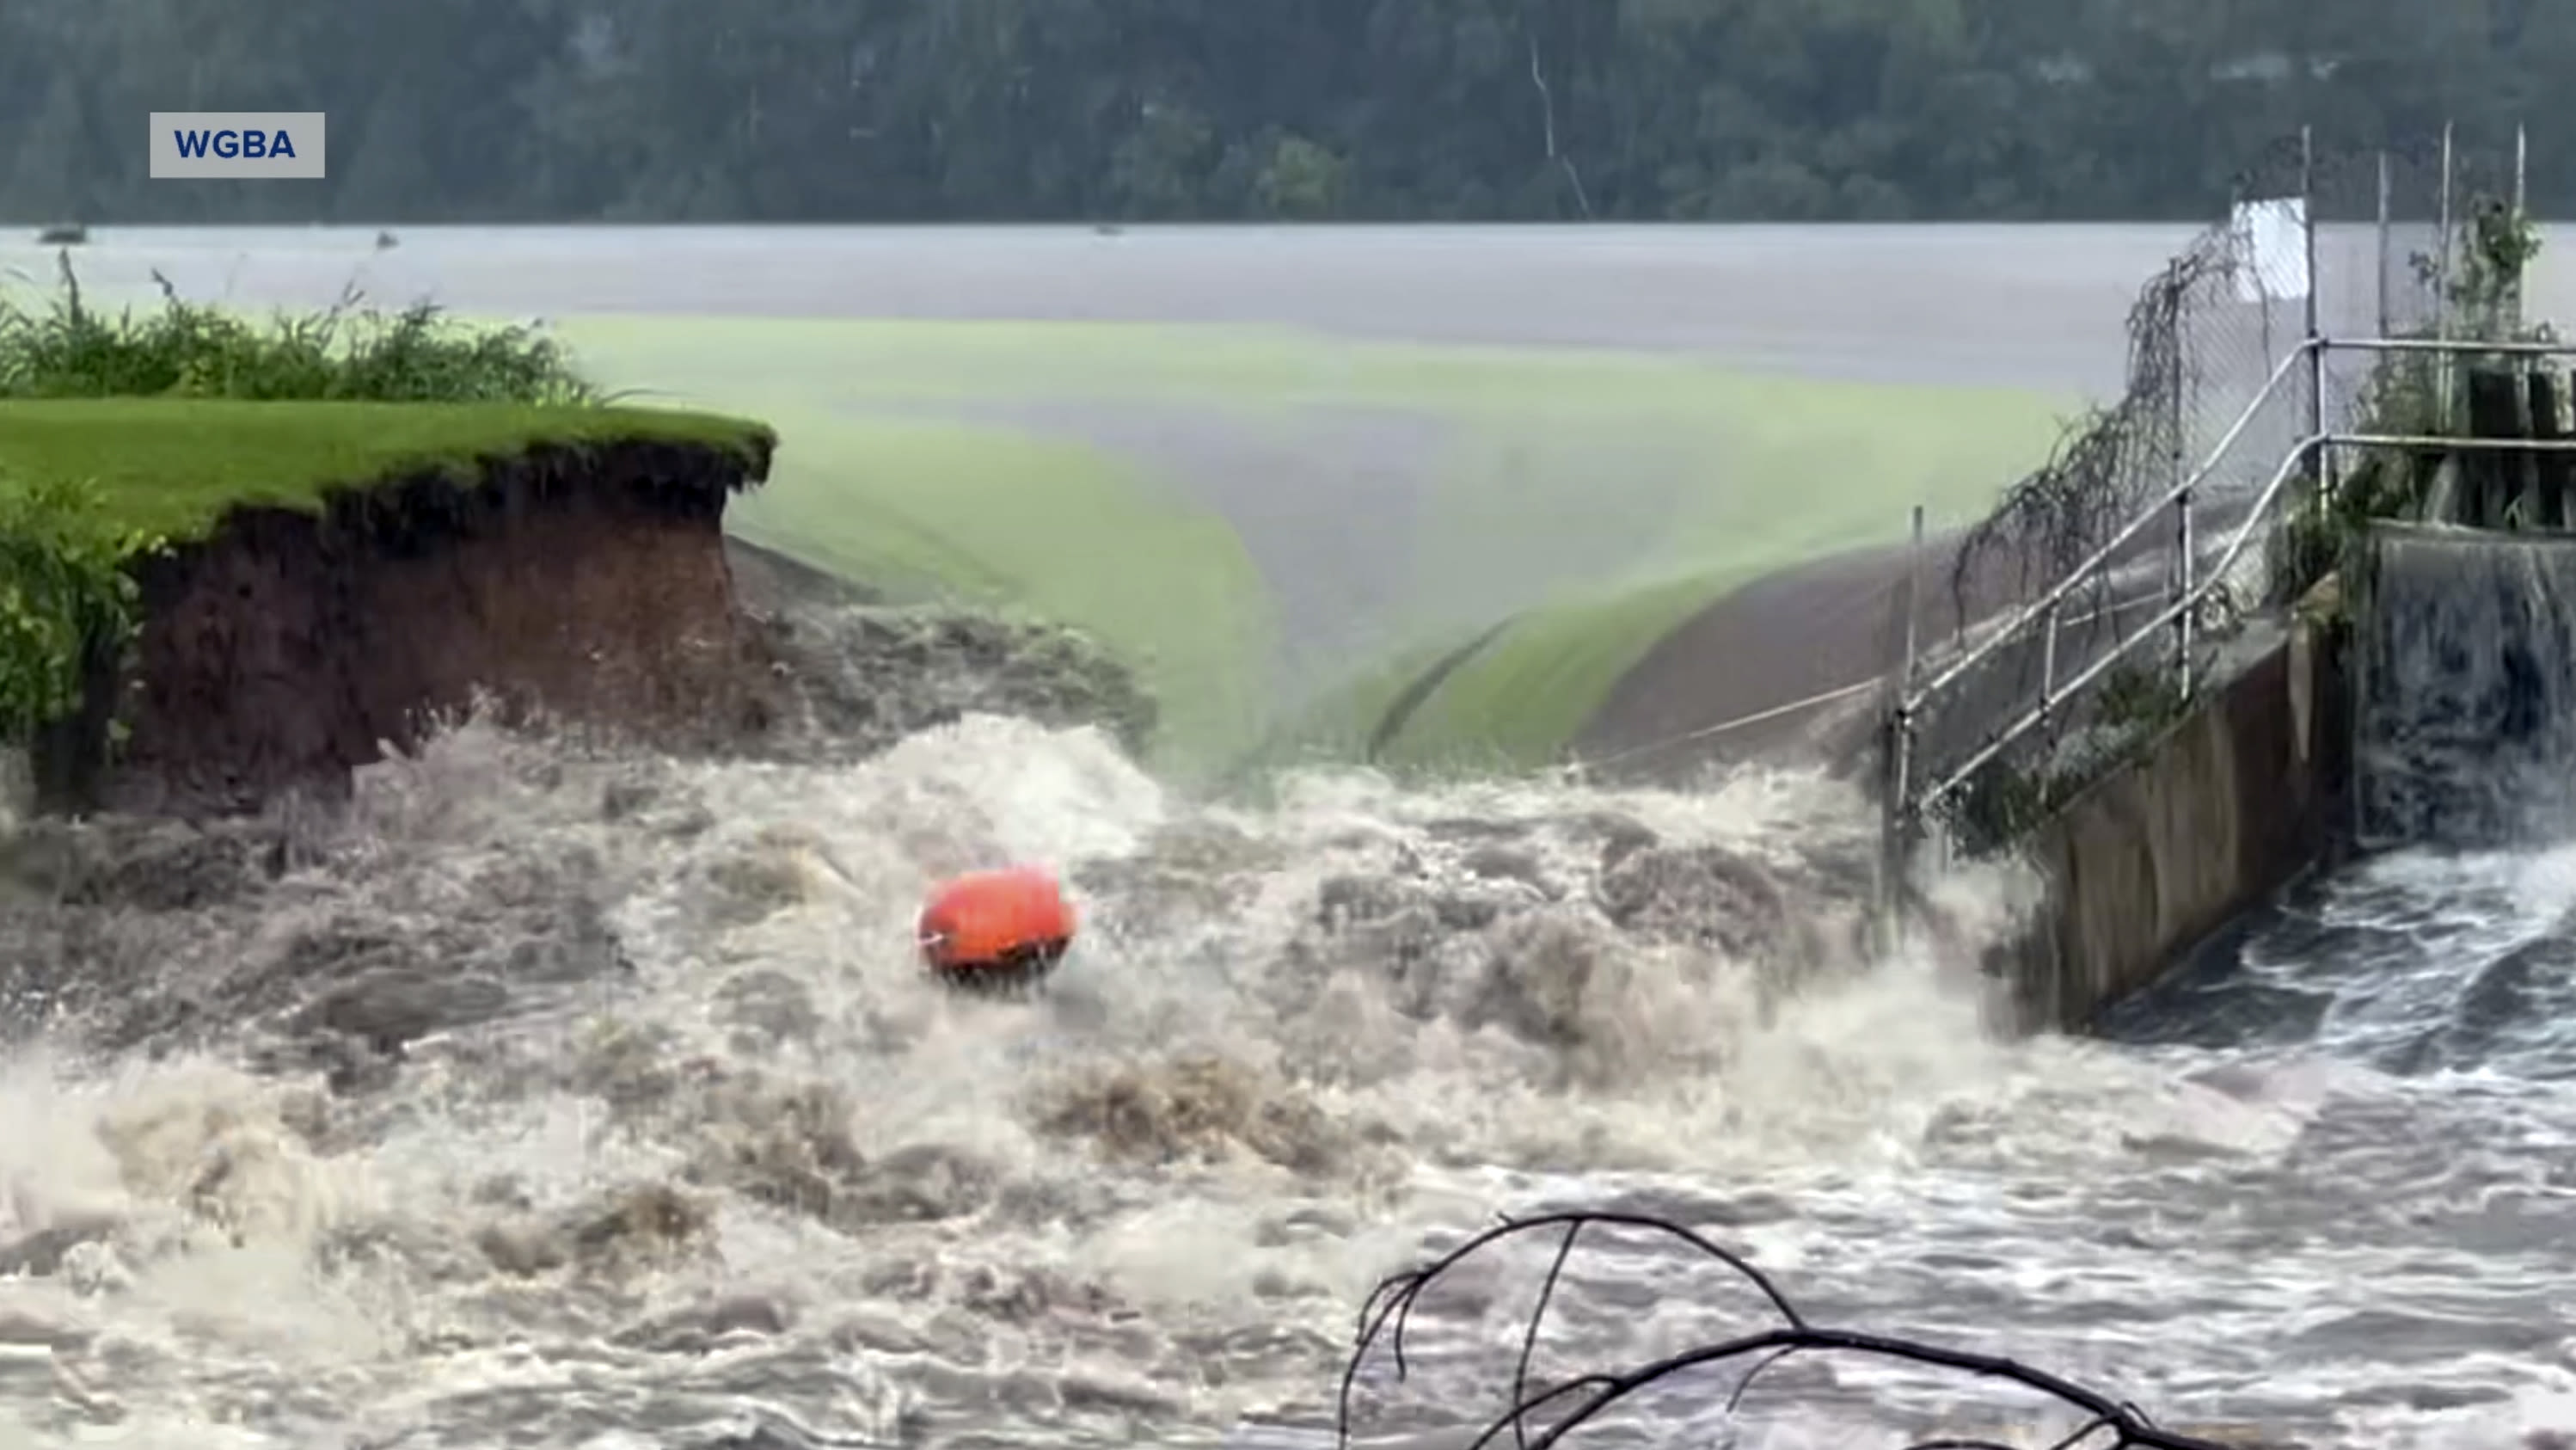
(174, 466)
(1604, 497)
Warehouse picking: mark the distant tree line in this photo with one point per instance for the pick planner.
(999, 110)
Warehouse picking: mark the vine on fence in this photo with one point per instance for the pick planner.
(67, 597)
(1542, 1416)
(2113, 459)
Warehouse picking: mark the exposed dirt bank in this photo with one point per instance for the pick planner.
(288, 648)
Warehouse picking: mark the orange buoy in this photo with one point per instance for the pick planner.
(996, 930)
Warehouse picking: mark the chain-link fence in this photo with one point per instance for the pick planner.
(2181, 475)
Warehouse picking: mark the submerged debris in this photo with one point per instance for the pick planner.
(626, 1231)
(866, 677)
(1196, 1107)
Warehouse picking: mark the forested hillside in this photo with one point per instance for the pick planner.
(867, 110)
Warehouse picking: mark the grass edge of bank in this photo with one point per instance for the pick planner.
(92, 486)
(176, 466)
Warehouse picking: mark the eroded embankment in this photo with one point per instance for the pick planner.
(286, 647)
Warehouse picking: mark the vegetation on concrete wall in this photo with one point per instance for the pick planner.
(2000, 805)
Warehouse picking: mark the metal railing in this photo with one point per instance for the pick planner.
(2192, 584)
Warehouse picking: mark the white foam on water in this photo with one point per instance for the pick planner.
(1147, 1208)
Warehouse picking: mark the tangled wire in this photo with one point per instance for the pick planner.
(2112, 459)
(1386, 1316)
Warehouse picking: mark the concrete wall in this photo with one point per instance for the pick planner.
(2242, 796)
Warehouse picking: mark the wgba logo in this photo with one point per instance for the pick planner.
(237, 145)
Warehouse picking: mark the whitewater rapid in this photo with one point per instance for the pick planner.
(586, 1099)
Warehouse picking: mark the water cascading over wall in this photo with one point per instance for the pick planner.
(2466, 659)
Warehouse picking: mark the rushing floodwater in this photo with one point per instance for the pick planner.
(592, 1101)
(681, 1151)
